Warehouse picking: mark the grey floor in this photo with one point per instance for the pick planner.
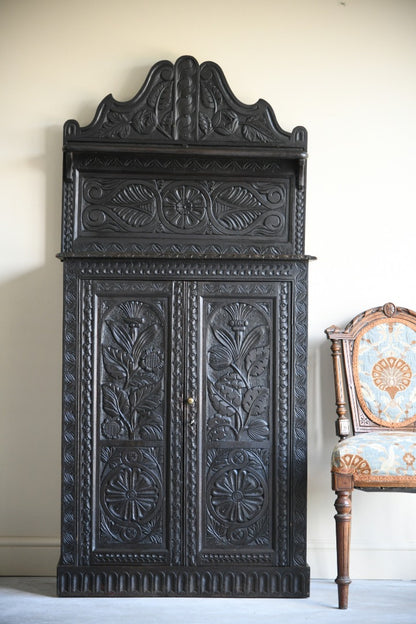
(25, 600)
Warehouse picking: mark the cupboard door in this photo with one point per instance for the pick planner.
(242, 416)
(135, 380)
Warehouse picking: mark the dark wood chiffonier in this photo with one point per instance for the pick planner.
(185, 344)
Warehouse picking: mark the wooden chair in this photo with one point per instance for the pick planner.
(374, 361)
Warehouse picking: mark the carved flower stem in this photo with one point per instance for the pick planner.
(241, 374)
(239, 422)
(239, 413)
(126, 423)
(127, 380)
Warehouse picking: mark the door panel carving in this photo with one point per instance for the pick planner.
(240, 389)
(238, 498)
(133, 376)
(238, 376)
(131, 497)
(132, 373)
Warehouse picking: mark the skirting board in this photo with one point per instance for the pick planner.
(29, 556)
(367, 561)
(38, 556)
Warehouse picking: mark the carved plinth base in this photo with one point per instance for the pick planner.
(285, 582)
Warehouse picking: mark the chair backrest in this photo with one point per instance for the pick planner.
(375, 361)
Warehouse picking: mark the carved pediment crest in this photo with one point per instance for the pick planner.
(189, 104)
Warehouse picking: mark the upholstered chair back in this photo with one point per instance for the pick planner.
(384, 370)
(378, 350)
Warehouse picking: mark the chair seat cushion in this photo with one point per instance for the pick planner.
(378, 459)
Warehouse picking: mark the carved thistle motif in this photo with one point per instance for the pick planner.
(239, 373)
(132, 388)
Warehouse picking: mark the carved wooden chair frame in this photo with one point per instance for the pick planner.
(354, 418)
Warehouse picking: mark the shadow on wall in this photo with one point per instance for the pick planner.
(321, 409)
(31, 396)
(321, 440)
(31, 377)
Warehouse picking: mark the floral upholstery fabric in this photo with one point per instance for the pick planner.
(385, 372)
(385, 458)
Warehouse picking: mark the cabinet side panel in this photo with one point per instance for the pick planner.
(70, 420)
(299, 347)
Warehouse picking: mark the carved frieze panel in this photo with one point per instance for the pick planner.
(136, 214)
(160, 206)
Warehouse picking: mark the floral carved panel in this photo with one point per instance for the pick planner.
(133, 371)
(238, 499)
(131, 407)
(239, 406)
(238, 376)
(185, 208)
(131, 497)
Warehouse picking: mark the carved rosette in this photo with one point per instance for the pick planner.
(237, 498)
(131, 496)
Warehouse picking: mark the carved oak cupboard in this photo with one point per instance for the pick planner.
(185, 336)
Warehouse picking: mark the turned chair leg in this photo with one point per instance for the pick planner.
(343, 486)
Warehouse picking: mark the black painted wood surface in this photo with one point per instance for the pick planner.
(185, 345)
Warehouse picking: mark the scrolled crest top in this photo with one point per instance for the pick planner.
(189, 104)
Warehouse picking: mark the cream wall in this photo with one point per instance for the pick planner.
(345, 70)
